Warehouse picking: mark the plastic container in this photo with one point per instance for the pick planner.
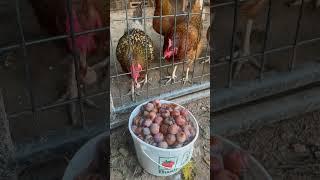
(83, 157)
(158, 161)
(255, 169)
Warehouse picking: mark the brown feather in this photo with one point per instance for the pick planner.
(188, 36)
(250, 9)
(139, 41)
(168, 8)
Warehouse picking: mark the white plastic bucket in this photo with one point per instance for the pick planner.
(158, 161)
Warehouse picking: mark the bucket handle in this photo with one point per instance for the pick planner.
(160, 164)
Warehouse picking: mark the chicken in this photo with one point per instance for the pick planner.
(168, 8)
(185, 42)
(87, 15)
(209, 40)
(249, 10)
(131, 50)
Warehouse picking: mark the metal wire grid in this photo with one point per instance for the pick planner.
(29, 82)
(125, 106)
(264, 51)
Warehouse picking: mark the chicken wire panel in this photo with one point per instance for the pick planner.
(121, 5)
(284, 45)
(121, 81)
(36, 60)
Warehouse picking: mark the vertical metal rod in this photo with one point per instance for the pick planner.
(145, 44)
(76, 62)
(267, 29)
(160, 49)
(128, 31)
(175, 29)
(203, 65)
(115, 67)
(199, 36)
(294, 54)
(185, 60)
(235, 23)
(112, 110)
(27, 67)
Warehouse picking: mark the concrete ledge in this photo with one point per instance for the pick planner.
(266, 112)
(273, 83)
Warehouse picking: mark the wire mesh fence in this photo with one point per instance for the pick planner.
(34, 61)
(159, 68)
(281, 43)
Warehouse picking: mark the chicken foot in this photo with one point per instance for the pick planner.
(173, 76)
(145, 81)
(132, 91)
(246, 50)
(186, 78)
(72, 93)
(207, 60)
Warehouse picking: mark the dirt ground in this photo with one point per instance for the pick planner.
(289, 150)
(125, 165)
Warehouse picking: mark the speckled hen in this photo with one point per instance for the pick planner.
(135, 52)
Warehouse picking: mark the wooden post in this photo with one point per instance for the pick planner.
(7, 150)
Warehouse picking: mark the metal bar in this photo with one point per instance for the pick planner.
(54, 105)
(283, 48)
(26, 62)
(174, 31)
(152, 17)
(76, 63)
(235, 21)
(145, 45)
(294, 54)
(168, 95)
(129, 39)
(154, 68)
(257, 115)
(177, 82)
(185, 46)
(207, 47)
(160, 50)
(53, 38)
(180, 100)
(273, 83)
(115, 67)
(199, 36)
(267, 29)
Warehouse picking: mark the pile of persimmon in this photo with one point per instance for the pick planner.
(227, 165)
(164, 125)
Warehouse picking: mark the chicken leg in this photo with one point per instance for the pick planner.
(173, 76)
(186, 78)
(132, 91)
(207, 60)
(72, 93)
(246, 50)
(145, 81)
